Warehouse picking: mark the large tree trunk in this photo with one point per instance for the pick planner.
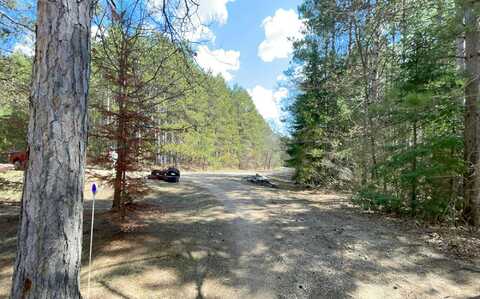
(50, 233)
(472, 97)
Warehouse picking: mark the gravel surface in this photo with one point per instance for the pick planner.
(216, 236)
(304, 245)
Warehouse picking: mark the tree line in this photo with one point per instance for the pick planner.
(200, 122)
(387, 99)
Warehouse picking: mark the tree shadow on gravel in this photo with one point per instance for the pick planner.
(8, 185)
(277, 247)
(253, 242)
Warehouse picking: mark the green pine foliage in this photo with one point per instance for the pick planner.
(379, 96)
(201, 121)
(221, 129)
(14, 91)
(197, 121)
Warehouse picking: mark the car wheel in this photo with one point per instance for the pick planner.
(18, 165)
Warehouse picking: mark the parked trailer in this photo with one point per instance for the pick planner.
(18, 159)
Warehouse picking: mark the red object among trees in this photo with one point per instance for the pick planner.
(19, 159)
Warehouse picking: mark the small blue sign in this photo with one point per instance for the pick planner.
(94, 188)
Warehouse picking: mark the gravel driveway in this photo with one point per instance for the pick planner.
(215, 236)
(299, 245)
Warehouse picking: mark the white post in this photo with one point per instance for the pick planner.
(94, 190)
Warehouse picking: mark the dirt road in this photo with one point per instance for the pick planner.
(295, 245)
(215, 236)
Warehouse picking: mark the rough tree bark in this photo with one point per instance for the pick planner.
(472, 121)
(50, 233)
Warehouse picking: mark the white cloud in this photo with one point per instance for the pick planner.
(26, 46)
(208, 12)
(268, 101)
(199, 33)
(281, 78)
(219, 61)
(201, 15)
(213, 11)
(96, 32)
(279, 30)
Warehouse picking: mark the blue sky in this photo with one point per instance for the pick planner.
(248, 45)
(243, 32)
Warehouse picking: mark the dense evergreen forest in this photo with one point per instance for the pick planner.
(387, 98)
(199, 122)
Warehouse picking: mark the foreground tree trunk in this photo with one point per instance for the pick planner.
(50, 234)
(472, 121)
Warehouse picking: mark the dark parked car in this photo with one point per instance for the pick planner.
(170, 175)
